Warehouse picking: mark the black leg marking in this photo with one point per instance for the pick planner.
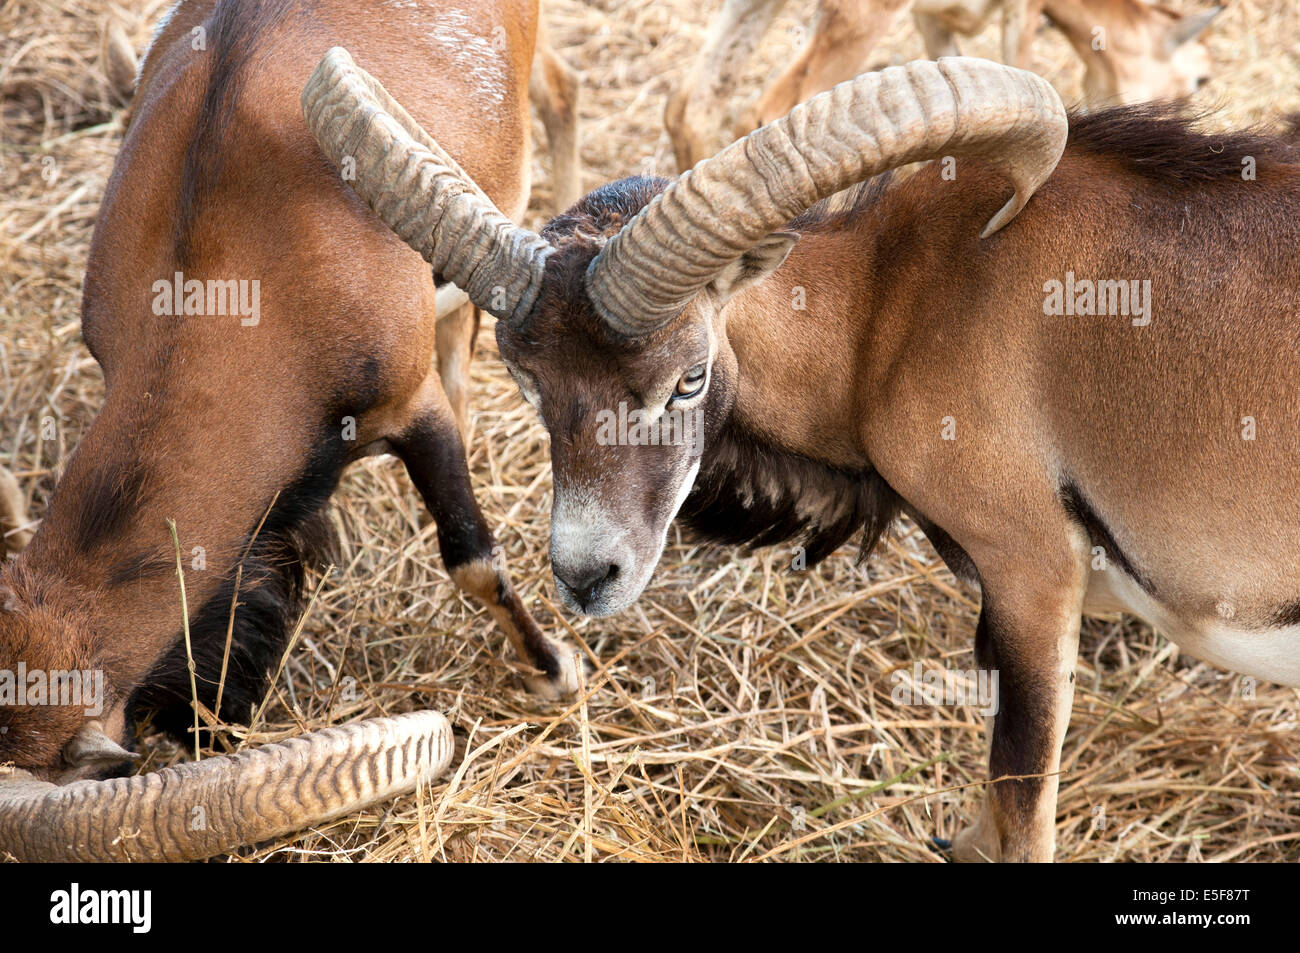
(1023, 725)
(1082, 513)
(435, 459)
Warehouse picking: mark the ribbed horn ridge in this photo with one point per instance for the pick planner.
(420, 191)
(196, 810)
(710, 216)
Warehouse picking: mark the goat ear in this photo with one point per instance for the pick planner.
(90, 747)
(753, 266)
(1189, 27)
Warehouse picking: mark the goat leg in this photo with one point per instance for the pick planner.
(455, 334)
(1031, 641)
(843, 35)
(555, 90)
(434, 455)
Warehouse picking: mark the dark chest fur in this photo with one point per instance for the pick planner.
(750, 492)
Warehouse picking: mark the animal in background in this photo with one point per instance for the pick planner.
(1132, 51)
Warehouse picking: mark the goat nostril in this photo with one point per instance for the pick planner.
(584, 586)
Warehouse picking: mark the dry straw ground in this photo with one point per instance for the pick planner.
(742, 710)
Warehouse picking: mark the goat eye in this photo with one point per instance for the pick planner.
(527, 386)
(691, 383)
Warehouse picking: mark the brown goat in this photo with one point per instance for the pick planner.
(258, 330)
(1123, 441)
(555, 89)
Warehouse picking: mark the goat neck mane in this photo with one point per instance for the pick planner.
(751, 492)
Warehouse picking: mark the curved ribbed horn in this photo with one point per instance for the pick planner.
(420, 191)
(714, 213)
(196, 810)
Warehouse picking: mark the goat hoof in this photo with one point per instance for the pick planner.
(943, 847)
(974, 845)
(565, 683)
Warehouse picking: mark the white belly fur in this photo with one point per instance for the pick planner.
(1271, 654)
